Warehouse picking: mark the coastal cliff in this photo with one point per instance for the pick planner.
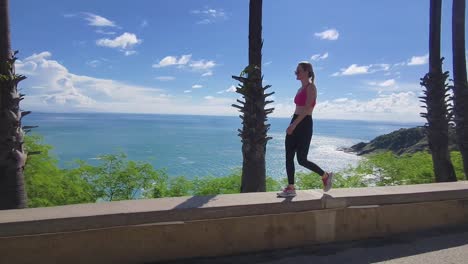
(402, 141)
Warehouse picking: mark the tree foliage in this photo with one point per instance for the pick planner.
(117, 178)
(46, 184)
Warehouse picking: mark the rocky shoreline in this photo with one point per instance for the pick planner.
(400, 142)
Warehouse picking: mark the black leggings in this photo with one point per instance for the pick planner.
(298, 142)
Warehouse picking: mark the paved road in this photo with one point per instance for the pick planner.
(432, 247)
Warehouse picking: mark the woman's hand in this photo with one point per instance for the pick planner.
(290, 129)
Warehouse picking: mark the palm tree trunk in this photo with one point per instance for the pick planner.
(12, 157)
(255, 34)
(253, 151)
(5, 42)
(254, 130)
(460, 86)
(436, 94)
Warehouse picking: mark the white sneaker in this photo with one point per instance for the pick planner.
(287, 193)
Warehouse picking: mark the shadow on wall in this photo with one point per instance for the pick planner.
(195, 202)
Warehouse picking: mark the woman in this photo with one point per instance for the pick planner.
(299, 132)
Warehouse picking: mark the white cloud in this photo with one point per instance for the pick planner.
(386, 83)
(124, 41)
(403, 106)
(187, 91)
(167, 61)
(51, 87)
(330, 34)
(202, 65)
(380, 67)
(130, 52)
(184, 59)
(205, 66)
(354, 69)
(340, 100)
(335, 74)
(391, 85)
(97, 62)
(317, 57)
(209, 15)
(399, 64)
(208, 73)
(98, 21)
(172, 60)
(390, 106)
(231, 89)
(220, 101)
(57, 87)
(94, 63)
(100, 31)
(205, 21)
(197, 86)
(419, 60)
(165, 78)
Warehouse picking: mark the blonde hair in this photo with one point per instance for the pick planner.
(307, 66)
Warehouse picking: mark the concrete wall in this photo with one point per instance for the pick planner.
(162, 229)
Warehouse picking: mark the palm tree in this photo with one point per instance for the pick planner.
(436, 100)
(460, 87)
(254, 132)
(12, 156)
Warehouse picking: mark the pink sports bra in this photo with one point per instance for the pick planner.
(301, 97)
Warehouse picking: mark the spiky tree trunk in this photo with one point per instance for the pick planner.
(436, 99)
(460, 86)
(254, 130)
(12, 157)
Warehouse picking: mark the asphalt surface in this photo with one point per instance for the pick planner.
(449, 245)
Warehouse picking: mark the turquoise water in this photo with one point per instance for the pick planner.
(193, 145)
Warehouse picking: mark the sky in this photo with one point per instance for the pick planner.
(177, 57)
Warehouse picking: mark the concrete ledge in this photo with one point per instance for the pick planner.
(109, 214)
(161, 229)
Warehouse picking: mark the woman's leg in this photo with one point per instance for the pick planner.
(304, 136)
(290, 145)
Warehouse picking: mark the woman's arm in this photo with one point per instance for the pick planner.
(307, 109)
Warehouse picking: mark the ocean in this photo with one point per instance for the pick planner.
(191, 146)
